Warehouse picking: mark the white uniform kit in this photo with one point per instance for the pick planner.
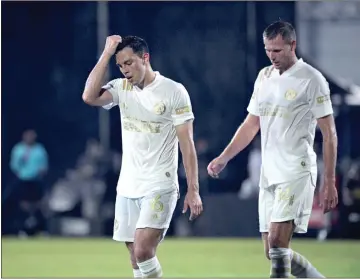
(288, 106)
(148, 189)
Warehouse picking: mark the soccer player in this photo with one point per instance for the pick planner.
(156, 116)
(290, 98)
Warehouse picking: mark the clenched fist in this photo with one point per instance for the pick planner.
(216, 166)
(111, 44)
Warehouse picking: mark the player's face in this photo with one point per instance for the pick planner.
(279, 52)
(131, 65)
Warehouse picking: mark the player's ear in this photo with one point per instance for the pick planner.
(293, 45)
(146, 57)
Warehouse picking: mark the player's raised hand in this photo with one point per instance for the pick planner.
(111, 44)
(193, 201)
(216, 166)
(329, 196)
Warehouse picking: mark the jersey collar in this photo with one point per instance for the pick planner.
(154, 82)
(293, 68)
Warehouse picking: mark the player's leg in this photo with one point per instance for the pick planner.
(291, 212)
(126, 216)
(279, 252)
(136, 271)
(265, 205)
(155, 216)
(267, 202)
(265, 238)
(300, 266)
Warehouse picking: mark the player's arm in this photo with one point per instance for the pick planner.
(184, 134)
(93, 93)
(192, 199)
(183, 117)
(248, 129)
(330, 143)
(242, 138)
(321, 108)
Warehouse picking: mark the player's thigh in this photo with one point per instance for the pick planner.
(265, 207)
(127, 212)
(155, 216)
(302, 219)
(292, 198)
(293, 201)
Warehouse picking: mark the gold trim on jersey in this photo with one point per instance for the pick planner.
(140, 126)
(126, 85)
(323, 99)
(182, 110)
(264, 73)
(276, 111)
(268, 71)
(123, 106)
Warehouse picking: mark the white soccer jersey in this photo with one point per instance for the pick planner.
(149, 141)
(288, 106)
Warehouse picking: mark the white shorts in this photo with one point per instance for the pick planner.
(153, 211)
(287, 201)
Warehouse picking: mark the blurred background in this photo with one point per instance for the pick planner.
(61, 158)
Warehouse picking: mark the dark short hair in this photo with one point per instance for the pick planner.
(137, 44)
(282, 28)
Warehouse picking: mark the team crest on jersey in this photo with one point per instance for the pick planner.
(290, 94)
(159, 108)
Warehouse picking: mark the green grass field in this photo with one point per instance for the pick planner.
(179, 258)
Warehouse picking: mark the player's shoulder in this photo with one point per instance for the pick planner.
(172, 86)
(311, 73)
(266, 72)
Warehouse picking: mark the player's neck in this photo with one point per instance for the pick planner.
(149, 78)
(292, 62)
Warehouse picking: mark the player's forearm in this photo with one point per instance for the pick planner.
(330, 144)
(190, 164)
(96, 78)
(242, 138)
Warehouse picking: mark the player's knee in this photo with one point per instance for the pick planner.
(280, 234)
(143, 253)
(275, 240)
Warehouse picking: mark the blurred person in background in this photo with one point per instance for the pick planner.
(29, 163)
(351, 199)
(290, 98)
(156, 114)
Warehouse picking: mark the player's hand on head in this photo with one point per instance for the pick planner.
(216, 166)
(329, 196)
(111, 44)
(193, 201)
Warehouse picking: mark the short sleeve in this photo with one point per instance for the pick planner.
(181, 108)
(253, 106)
(319, 97)
(114, 88)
